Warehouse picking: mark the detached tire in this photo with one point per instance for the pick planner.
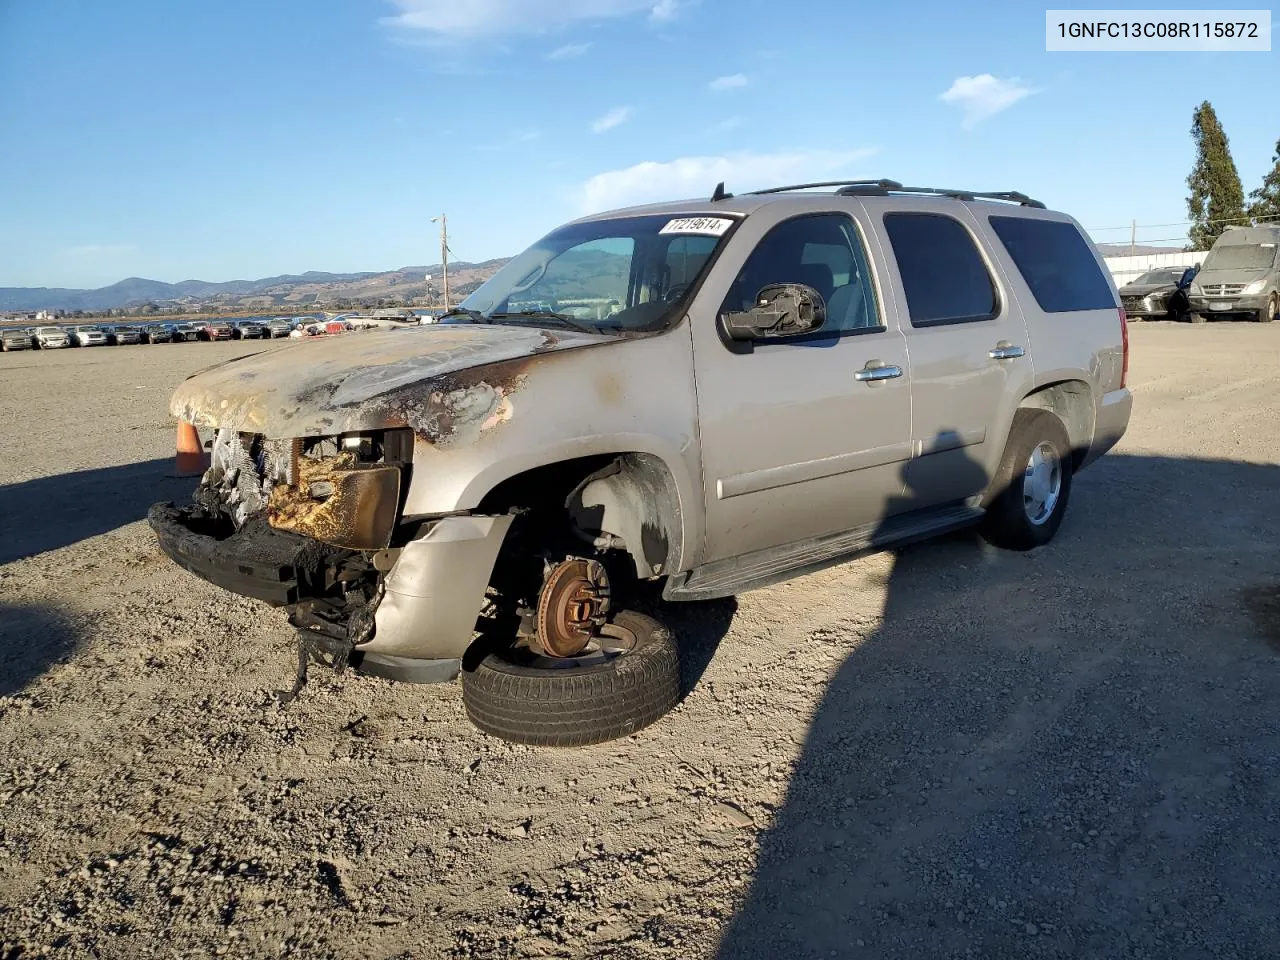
(1032, 485)
(571, 705)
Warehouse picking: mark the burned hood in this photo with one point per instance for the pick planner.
(442, 381)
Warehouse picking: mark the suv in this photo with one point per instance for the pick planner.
(86, 335)
(1240, 278)
(763, 385)
(249, 330)
(119, 336)
(214, 330)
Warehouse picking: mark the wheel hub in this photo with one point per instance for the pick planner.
(572, 607)
(1042, 484)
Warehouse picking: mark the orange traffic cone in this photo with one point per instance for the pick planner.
(191, 459)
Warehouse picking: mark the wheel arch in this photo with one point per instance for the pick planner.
(635, 496)
(1072, 402)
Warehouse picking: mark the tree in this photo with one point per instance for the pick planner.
(1266, 199)
(1217, 197)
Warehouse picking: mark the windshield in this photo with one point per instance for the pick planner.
(1160, 276)
(623, 274)
(48, 330)
(1240, 256)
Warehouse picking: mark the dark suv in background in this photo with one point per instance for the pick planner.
(1158, 294)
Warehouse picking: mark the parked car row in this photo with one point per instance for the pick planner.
(99, 335)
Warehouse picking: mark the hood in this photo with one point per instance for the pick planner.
(1146, 289)
(440, 381)
(1245, 275)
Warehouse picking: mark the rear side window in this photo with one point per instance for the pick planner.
(1057, 263)
(943, 274)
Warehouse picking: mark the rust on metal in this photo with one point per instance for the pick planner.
(572, 607)
(338, 501)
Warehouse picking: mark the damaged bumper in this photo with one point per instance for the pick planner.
(255, 561)
(412, 622)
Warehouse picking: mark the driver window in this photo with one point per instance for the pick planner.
(822, 251)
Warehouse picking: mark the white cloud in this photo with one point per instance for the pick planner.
(651, 181)
(664, 11)
(614, 118)
(984, 96)
(453, 20)
(735, 82)
(569, 51)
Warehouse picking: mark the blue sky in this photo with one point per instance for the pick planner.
(241, 139)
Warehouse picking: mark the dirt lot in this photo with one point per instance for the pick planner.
(950, 751)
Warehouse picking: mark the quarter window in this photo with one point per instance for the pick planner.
(1057, 263)
(943, 274)
(822, 251)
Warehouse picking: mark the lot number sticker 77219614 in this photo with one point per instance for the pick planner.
(705, 226)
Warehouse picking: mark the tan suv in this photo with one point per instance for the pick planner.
(715, 395)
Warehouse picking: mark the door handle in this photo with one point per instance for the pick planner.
(1004, 350)
(877, 370)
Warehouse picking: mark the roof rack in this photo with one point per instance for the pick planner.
(881, 184)
(883, 188)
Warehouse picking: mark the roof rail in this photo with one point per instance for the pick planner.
(881, 184)
(883, 188)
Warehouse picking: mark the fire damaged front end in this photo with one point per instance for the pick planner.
(313, 525)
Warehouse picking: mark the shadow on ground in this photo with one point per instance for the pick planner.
(32, 639)
(1070, 752)
(51, 512)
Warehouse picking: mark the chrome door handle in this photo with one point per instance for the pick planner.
(1004, 350)
(876, 371)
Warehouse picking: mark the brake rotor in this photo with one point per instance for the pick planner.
(572, 606)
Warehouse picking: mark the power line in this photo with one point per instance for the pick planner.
(1180, 223)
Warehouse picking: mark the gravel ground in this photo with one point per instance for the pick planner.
(945, 752)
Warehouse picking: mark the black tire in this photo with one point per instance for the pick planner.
(1195, 317)
(1007, 523)
(577, 706)
(1271, 311)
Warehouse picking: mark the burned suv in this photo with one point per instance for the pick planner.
(702, 397)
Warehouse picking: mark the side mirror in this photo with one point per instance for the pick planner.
(781, 310)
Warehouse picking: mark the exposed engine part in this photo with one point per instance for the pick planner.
(232, 484)
(572, 606)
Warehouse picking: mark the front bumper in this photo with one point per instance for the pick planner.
(1236, 306)
(429, 599)
(256, 561)
(1143, 307)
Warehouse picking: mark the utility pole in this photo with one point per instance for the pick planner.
(1133, 236)
(444, 254)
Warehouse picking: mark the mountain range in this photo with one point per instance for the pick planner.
(310, 288)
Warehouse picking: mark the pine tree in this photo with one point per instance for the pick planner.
(1266, 199)
(1217, 196)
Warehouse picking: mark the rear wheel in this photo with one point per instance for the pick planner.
(1033, 484)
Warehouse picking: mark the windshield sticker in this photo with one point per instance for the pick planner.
(706, 226)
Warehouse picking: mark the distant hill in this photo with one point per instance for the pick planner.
(313, 288)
